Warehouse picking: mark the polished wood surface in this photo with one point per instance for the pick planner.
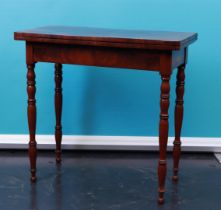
(178, 118)
(100, 37)
(31, 89)
(58, 109)
(163, 132)
(145, 50)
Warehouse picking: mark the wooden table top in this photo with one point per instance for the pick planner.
(161, 40)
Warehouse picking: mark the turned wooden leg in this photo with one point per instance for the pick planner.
(58, 110)
(31, 89)
(163, 134)
(178, 120)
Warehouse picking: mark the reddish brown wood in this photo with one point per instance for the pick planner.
(163, 133)
(97, 56)
(146, 50)
(32, 119)
(58, 110)
(178, 118)
(160, 40)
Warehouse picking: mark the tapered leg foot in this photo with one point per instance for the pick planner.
(58, 110)
(33, 176)
(58, 156)
(175, 178)
(178, 118)
(162, 170)
(161, 200)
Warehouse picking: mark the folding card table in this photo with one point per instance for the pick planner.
(144, 50)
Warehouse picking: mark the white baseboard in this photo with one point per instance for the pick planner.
(69, 142)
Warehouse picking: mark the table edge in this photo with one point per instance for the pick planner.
(100, 41)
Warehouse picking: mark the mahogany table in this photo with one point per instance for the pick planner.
(157, 51)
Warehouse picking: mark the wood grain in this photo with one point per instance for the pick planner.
(105, 37)
(163, 134)
(178, 119)
(143, 50)
(31, 89)
(58, 109)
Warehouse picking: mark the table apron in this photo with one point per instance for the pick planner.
(94, 56)
(103, 56)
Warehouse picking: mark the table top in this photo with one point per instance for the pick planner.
(164, 40)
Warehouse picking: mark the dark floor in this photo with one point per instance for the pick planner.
(107, 180)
